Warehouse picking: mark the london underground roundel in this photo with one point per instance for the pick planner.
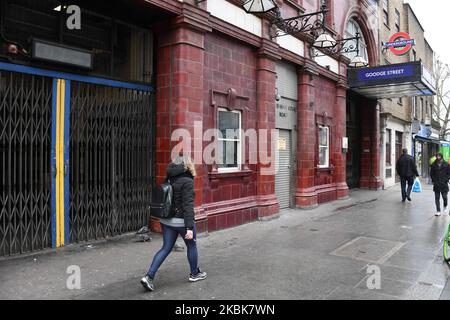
(400, 43)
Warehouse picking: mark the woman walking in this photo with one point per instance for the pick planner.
(440, 174)
(181, 174)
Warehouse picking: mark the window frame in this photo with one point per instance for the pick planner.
(385, 8)
(239, 142)
(351, 29)
(397, 19)
(327, 162)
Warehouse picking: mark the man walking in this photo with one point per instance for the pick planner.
(407, 170)
(440, 174)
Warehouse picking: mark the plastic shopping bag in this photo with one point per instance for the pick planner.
(417, 186)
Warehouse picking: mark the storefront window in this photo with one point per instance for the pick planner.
(229, 140)
(324, 147)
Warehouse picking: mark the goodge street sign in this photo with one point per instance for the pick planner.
(400, 43)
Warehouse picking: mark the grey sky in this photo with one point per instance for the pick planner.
(434, 18)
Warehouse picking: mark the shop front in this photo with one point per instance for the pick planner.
(425, 147)
(76, 110)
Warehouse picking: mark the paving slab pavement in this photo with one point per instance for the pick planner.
(331, 252)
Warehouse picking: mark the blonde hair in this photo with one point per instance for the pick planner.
(186, 161)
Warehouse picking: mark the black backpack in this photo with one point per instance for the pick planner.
(161, 205)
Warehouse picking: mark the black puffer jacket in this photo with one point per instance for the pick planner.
(440, 176)
(406, 167)
(183, 193)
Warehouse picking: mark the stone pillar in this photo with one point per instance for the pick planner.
(179, 95)
(306, 195)
(265, 86)
(340, 122)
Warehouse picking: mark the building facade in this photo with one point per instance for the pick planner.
(424, 128)
(273, 84)
(287, 129)
(405, 121)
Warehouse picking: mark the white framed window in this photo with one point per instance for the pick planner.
(350, 32)
(324, 147)
(229, 141)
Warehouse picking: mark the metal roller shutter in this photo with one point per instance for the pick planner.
(283, 168)
(287, 83)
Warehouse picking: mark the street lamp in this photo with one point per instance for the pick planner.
(304, 23)
(259, 6)
(307, 24)
(328, 45)
(358, 62)
(324, 41)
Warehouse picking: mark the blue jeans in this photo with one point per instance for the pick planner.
(170, 235)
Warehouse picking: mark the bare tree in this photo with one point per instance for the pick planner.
(441, 110)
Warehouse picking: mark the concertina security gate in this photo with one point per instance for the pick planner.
(76, 158)
(110, 160)
(25, 147)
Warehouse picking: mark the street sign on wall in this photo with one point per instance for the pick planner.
(388, 72)
(400, 43)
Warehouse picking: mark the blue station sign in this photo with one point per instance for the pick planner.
(381, 73)
(410, 79)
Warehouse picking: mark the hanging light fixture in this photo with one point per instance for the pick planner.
(327, 45)
(358, 62)
(324, 41)
(305, 23)
(310, 24)
(259, 6)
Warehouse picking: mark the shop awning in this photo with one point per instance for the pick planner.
(392, 81)
(429, 140)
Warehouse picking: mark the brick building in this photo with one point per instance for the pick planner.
(112, 100)
(403, 118)
(225, 60)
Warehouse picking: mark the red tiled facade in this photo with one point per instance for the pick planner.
(202, 61)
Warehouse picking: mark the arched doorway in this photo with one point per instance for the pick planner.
(361, 170)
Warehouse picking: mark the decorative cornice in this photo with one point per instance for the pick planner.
(299, 8)
(230, 99)
(323, 119)
(310, 68)
(194, 18)
(269, 49)
(342, 83)
(172, 6)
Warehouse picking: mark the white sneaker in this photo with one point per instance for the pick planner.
(437, 214)
(445, 210)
